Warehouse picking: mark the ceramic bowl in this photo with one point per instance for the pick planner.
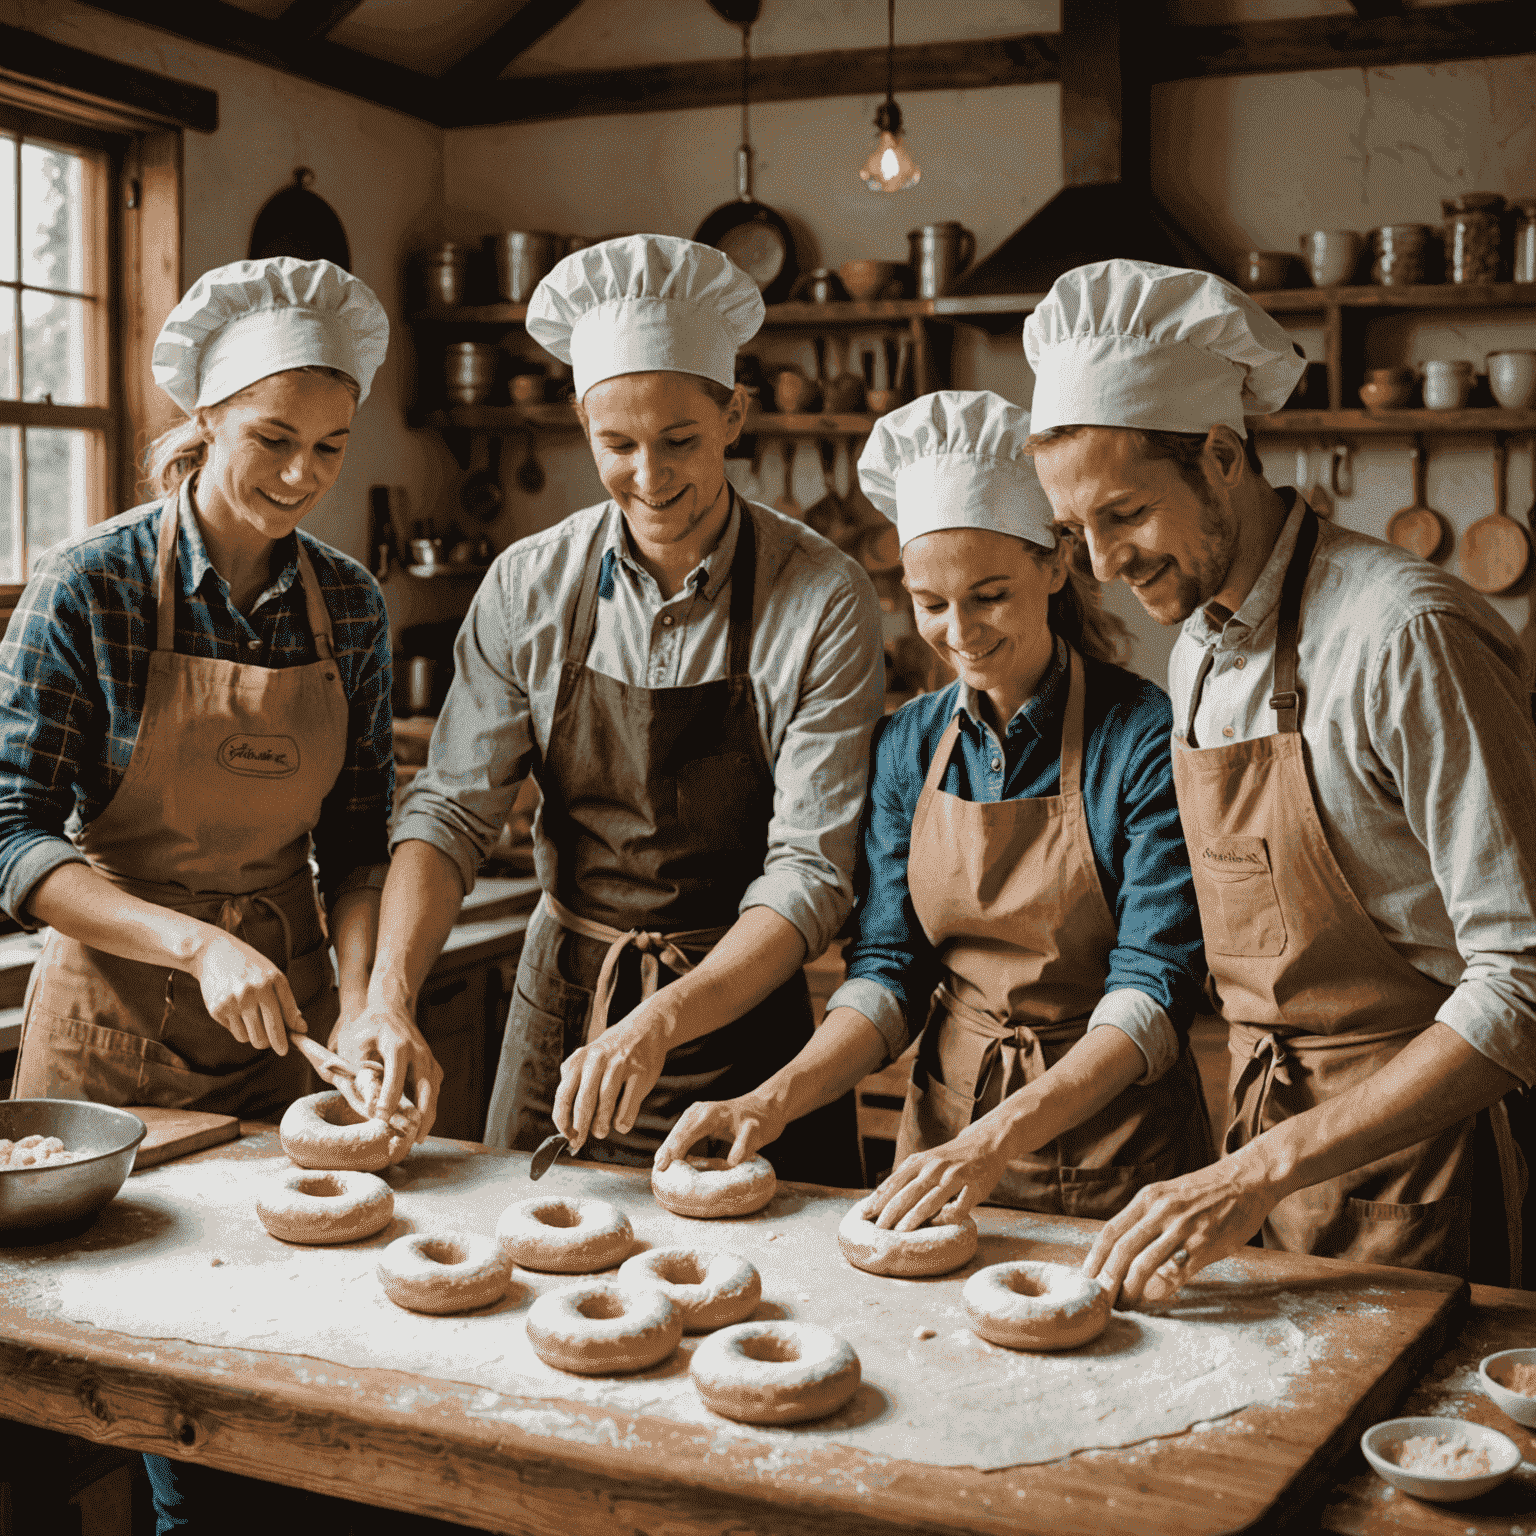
(1261, 270)
(1512, 378)
(40, 1204)
(1490, 1368)
(1331, 255)
(1381, 1444)
(867, 278)
(1386, 394)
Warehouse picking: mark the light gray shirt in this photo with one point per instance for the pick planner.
(817, 669)
(1416, 728)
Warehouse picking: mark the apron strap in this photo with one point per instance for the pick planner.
(990, 1043)
(165, 572)
(1285, 701)
(314, 604)
(653, 948)
(584, 617)
(1072, 726)
(743, 591)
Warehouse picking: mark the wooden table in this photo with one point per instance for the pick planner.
(453, 1450)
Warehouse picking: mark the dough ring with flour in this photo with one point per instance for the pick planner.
(325, 1206)
(775, 1373)
(602, 1328)
(1034, 1305)
(706, 1187)
(323, 1131)
(712, 1289)
(443, 1272)
(930, 1250)
(565, 1236)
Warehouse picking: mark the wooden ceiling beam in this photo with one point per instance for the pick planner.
(1025, 60)
(309, 19)
(232, 30)
(484, 63)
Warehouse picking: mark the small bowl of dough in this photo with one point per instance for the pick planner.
(706, 1188)
(565, 1236)
(713, 1289)
(1509, 1379)
(775, 1373)
(935, 1249)
(602, 1328)
(1441, 1460)
(55, 1185)
(444, 1272)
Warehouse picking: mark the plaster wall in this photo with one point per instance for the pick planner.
(382, 173)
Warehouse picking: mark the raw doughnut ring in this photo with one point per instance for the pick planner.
(1032, 1305)
(930, 1250)
(704, 1186)
(601, 1328)
(565, 1237)
(710, 1288)
(323, 1131)
(444, 1271)
(332, 1206)
(775, 1373)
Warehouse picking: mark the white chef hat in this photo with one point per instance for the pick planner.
(643, 304)
(955, 459)
(241, 322)
(1131, 344)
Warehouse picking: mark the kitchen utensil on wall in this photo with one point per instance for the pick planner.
(481, 495)
(939, 254)
(752, 234)
(1341, 472)
(1331, 255)
(523, 258)
(785, 502)
(1315, 496)
(530, 473)
(843, 393)
(469, 371)
(1495, 551)
(298, 222)
(1512, 378)
(1447, 385)
(1419, 528)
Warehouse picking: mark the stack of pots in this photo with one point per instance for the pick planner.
(523, 257)
(469, 371)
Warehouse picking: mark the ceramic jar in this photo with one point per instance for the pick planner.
(1447, 386)
(1472, 237)
(1398, 254)
(446, 271)
(469, 371)
(1525, 241)
(1331, 256)
(1387, 389)
(1512, 378)
(1262, 270)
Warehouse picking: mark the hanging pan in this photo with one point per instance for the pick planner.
(1419, 528)
(1496, 550)
(298, 222)
(752, 234)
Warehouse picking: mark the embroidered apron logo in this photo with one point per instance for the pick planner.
(260, 757)
(1224, 857)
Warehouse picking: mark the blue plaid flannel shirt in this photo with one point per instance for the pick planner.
(75, 662)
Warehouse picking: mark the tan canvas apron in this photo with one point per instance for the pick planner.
(212, 819)
(1315, 998)
(1009, 896)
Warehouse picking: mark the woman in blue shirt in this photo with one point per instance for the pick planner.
(1025, 899)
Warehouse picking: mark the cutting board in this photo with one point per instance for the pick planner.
(176, 1132)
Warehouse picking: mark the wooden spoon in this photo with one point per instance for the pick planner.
(1419, 528)
(1495, 551)
(1315, 496)
(786, 502)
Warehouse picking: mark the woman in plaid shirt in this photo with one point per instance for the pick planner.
(192, 696)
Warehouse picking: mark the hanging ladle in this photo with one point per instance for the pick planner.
(1315, 496)
(1419, 528)
(1495, 551)
(530, 473)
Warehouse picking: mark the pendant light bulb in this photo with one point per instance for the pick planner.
(890, 166)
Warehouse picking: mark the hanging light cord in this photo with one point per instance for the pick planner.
(890, 51)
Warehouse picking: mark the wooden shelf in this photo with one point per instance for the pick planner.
(498, 419)
(1383, 423)
(445, 568)
(1419, 296)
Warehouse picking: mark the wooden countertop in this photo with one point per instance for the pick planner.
(368, 1433)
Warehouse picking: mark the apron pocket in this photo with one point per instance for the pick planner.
(1243, 916)
(70, 1059)
(1434, 1235)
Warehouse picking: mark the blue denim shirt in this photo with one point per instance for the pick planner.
(1157, 965)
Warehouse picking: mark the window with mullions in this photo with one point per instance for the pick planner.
(57, 414)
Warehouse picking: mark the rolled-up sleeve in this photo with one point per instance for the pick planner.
(821, 769)
(1452, 724)
(482, 744)
(51, 723)
(892, 968)
(352, 835)
(1158, 958)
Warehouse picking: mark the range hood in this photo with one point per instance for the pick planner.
(1106, 207)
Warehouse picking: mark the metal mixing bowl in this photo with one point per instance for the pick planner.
(50, 1202)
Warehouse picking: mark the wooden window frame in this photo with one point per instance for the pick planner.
(144, 245)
